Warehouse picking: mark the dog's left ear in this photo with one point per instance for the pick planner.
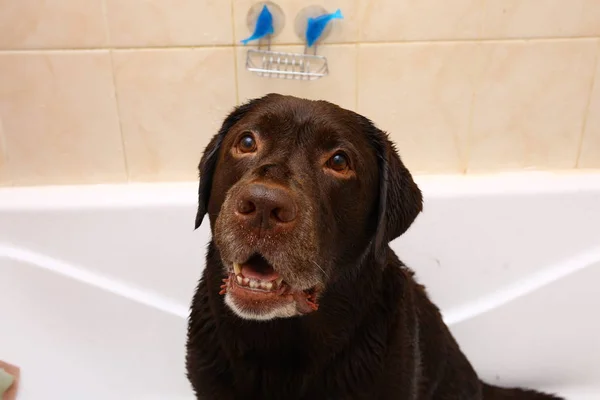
(209, 159)
(400, 199)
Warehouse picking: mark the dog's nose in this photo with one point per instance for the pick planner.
(265, 206)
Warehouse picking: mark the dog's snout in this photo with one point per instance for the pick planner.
(260, 205)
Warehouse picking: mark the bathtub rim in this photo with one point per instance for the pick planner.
(159, 194)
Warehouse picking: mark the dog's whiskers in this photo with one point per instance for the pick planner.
(318, 266)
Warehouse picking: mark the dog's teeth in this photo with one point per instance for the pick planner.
(278, 281)
(237, 268)
(256, 283)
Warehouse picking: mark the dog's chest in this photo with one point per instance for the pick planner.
(354, 374)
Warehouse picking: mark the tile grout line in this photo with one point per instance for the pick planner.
(357, 77)
(114, 82)
(118, 106)
(483, 14)
(595, 78)
(235, 55)
(477, 40)
(357, 58)
(350, 43)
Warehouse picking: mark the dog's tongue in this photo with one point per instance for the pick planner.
(258, 268)
(263, 275)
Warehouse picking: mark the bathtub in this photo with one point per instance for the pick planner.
(95, 282)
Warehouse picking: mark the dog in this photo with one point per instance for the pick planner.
(302, 297)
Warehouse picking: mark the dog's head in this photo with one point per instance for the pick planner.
(298, 192)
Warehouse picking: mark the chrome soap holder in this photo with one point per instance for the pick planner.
(274, 64)
(299, 66)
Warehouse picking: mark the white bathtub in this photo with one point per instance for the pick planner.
(95, 282)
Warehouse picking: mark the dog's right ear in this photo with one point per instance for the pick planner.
(209, 159)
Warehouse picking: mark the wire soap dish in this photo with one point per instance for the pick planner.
(275, 64)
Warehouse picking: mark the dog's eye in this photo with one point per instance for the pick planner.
(247, 144)
(338, 162)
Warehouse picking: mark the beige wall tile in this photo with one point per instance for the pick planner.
(338, 87)
(541, 18)
(342, 31)
(590, 147)
(134, 23)
(59, 118)
(394, 20)
(530, 105)
(26, 24)
(421, 94)
(171, 103)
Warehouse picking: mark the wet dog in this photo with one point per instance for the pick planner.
(302, 297)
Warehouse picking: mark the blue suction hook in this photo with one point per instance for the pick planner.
(263, 27)
(316, 26)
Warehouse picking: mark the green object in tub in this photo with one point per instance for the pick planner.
(6, 381)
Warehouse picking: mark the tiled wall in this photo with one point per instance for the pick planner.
(116, 90)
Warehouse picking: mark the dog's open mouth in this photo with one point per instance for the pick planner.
(258, 274)
(257, 287)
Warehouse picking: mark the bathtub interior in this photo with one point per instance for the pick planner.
(95, 282)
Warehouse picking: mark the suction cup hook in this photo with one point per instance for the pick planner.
(265, 20)
(312, 25)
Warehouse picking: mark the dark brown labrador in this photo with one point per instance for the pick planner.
(302, 297)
